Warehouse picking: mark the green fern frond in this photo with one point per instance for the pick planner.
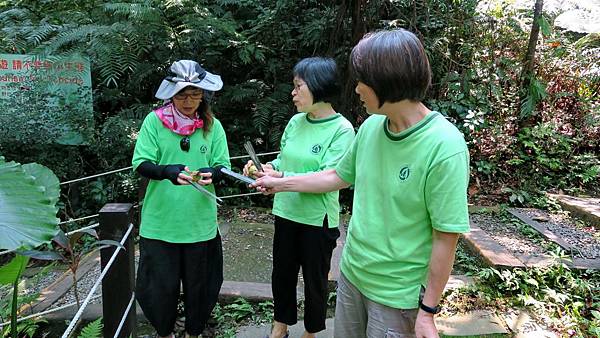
(73, 38)
(92, 330)
(136, 11)
(14, 14)
(536, 93)
(271, 111)
(261, 115)
(41, 33)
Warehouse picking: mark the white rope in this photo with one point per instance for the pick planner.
(75, 319)
(78, 219)
(130, 167)
(240, 195)
(95, 225)
(97, 175)
(248, 156)
(39, 314)
(7, 252)
(125, 315)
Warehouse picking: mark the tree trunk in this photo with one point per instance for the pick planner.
(349, 106)
(528, 63)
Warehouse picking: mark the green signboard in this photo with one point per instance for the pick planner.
(45, 99)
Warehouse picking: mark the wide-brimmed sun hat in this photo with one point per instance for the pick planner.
(186, 73)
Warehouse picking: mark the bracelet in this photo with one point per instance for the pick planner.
(433, 310)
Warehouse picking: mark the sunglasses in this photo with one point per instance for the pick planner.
(184, 144)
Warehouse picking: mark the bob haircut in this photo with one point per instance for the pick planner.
(321, 77)
(394, 64)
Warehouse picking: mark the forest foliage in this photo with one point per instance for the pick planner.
(523, 140)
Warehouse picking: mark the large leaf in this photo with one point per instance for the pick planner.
(46, 178)
(27, 214)
(10, 272)
(43, 255)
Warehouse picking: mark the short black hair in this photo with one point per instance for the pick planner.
(321, 77)
(394, 64)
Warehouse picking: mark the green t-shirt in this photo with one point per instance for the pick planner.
(405, 185)
(179, 213)
(309, 146)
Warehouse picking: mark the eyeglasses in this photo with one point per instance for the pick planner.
(297, 86)
(193, 96)
(184, 144)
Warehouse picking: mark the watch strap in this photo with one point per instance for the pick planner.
(433, 310)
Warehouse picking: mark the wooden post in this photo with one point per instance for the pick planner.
(119, 282)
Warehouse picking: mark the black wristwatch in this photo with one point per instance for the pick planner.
(433, 310)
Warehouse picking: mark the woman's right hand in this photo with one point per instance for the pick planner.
(267, 185)
(186, 176)
(246, 170)
(250, 170)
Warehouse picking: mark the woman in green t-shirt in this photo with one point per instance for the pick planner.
(306, 225)
(179, 238)
(410, 170)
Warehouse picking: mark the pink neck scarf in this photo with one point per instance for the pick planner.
(176, 121)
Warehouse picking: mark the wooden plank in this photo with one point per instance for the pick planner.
(491, 252)
(53, 292)
(250, 290)
(586, 263)
(575, 263)
(540, 227)
(585, 208)
(536, 261)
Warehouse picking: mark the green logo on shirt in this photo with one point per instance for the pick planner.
(404, 173)
(316, 149)
(203, 149)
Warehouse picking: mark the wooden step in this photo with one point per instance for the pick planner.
(585, 208)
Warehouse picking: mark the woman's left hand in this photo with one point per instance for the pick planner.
(187, 176)
(425, 325)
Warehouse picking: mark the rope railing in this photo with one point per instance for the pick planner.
(125, 313)
(130, 167)
(77, 316)
(97, 175)
(78, 219)
(47, 312)
(95, 225)
(240, 195)
(248, 156)
(5, 252)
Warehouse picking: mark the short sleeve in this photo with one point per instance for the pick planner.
(220, 152)
(146, 145)
(346, 167)
(446, 194)
(290, 125)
